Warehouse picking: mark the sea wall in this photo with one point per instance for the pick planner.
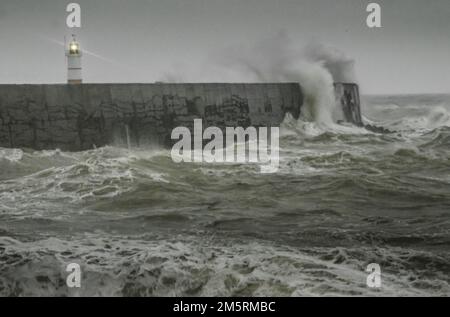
(81, 117)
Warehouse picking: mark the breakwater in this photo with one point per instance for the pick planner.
(81, 117)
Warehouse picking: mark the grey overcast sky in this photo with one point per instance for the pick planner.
(145, 40)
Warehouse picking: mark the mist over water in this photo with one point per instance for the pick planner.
(279, 58)
(139, 224)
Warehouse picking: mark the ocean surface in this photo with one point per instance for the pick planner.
(141, 225)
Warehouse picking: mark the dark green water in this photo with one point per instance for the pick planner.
(141, 225)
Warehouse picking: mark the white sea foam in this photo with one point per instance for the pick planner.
(119, 267)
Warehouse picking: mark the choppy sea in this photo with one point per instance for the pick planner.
(139, 224)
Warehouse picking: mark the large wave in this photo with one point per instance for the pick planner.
(279, 59)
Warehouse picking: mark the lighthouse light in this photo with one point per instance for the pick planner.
(74, 48)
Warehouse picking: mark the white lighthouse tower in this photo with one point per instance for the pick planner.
(74, 69)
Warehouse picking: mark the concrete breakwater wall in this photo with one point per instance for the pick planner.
(81, 117)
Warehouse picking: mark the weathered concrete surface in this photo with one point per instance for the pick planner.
(347, 95)
(80, 117)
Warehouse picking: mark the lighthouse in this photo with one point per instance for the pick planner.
(74, 69)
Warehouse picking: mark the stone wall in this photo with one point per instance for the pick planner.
(80, 117)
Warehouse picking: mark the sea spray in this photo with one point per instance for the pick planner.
(279, 59)
(340, 66)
